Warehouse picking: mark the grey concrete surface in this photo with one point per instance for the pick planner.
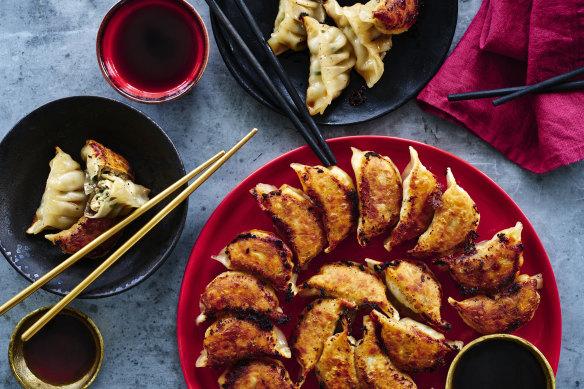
(47, 51)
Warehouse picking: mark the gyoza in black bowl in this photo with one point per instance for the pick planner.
(25, 153)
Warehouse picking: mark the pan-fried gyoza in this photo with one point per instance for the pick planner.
(295, 218)
(263, 254)
(332, 191)
(239, 293)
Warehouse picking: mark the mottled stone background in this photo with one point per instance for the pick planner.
(47, 51)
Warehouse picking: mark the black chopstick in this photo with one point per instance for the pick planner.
(539, 86)
(300, 106)
(566, 86)
(269, 83)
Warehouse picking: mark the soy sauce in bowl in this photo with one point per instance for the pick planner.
(152, 50)
(500, 361)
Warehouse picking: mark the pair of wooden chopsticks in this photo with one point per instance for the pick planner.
(555, 84)
(313, 137)
(215, 163)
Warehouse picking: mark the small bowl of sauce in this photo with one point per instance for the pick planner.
(152, 51)
(500, 361)
(66, 353)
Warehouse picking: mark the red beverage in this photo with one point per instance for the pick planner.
(62, 352)
(152, 49)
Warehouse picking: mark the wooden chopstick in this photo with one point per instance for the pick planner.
(283, 103)
(32, 330)
(105, 236)
(563, 87)
(539, 86)
(300, 106)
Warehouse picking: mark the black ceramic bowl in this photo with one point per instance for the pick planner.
(414, 58)
(25, 153)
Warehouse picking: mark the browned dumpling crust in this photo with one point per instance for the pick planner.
(241, 294)
(263, 254)
(416, 287)
(379, 187)
(256, 374)
(229, 340)
(295, 218)
(395, 16)
(413, 346)
(332, 191)
(374, 368)
(351, 281)
(504, 312)
(336, 367)
(493, 266)
(107, 158)
(315, 325)
(453, 226)
(421, 195)
(82, 233)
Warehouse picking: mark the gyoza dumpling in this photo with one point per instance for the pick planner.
(331, 61)
(351, 281)
(453, 226)
(229, 340)
(289, 32)
(374, 368)
(415, 287)
(110, 183)
(379, 186)
(63, 200)
(336, 367)
(82, 233)
(392, 16)
(242, 294)
(295, 219)
(264, 373)
(369, 44)
(263, 254)
(421, 194)
(503, 312)
(332, 191)
(315, 325)
(413, 346)
(493, 266)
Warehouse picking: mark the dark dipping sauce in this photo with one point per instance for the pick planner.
(154, 44)
(62, 352)
(500, 364)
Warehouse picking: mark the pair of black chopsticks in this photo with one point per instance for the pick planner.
(313, 136)
(555, 84)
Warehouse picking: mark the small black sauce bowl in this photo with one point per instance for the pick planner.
(544, 364)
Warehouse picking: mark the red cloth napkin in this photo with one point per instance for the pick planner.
(512, 43)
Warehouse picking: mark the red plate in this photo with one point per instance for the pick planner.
(239, 212)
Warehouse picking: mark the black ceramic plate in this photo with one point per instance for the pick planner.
(413, 60)
(24, 162)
